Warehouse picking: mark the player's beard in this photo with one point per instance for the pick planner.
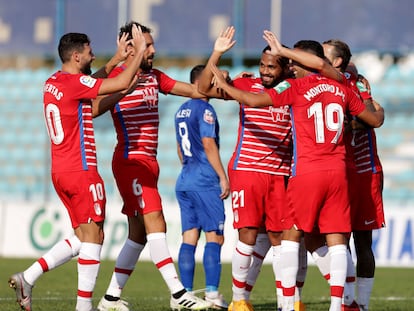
(268, 81)
(146, 65)
(87, 69)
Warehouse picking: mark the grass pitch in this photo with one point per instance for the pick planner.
(146, 291)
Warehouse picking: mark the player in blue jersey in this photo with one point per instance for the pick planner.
(200, 189)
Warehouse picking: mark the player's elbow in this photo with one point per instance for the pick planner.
(203, 88)
(123, 85)
(373, 119)
(378, 121)
(380, 117)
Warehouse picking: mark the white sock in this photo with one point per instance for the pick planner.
(88, 268)
(277, 270)
(290, 265)
(302, 269)
(124, 266)
(322, 260)
(260, 250)
(61, 252)
(349, 289)
(338, 275)
(160, 256)
(240, 267)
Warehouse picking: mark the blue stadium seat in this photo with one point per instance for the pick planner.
(392, 73)
(24, 156)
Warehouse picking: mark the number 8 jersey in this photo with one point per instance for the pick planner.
(318, 106)
(68, 116)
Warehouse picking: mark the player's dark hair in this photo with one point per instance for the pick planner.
(127, 28)
(196, 72)
(70, 42)
(342, 50)
(311, 46)
(281, 60)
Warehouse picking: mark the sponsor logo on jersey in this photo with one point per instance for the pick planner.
(361, 87)
(208, 116)
(87, 81)
(282, 86)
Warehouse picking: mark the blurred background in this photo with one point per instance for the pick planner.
(379, 33)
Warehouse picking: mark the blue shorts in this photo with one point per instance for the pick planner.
(203, 210)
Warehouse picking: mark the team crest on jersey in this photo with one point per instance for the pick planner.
(88, 81)
(279, 113)
(150, 95)
(208, 116)
(282, 86)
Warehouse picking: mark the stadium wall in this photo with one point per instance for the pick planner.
(28, 229)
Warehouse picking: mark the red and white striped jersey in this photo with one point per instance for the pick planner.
(365, 151)
(364, 142)
(136, 117)
(264, 142)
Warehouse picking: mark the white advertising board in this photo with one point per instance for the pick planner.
(29, 229)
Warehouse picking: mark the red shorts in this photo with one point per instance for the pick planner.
(320, 199)
(83, 194)
(353, 192)
(367, 210)
(258, 198)
(137, 183)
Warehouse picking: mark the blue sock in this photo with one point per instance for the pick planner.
(186, 265)
(212, 265)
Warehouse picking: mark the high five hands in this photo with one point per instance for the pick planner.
(225, 41)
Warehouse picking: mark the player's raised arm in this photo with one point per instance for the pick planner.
(247, 98)
(121, 54)
(123, 80)
(103, 103)
(372, 118)
(302, 57)
(223, 43)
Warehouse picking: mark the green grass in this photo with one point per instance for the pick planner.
(146, 291)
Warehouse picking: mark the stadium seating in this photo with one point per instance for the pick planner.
(24, 153)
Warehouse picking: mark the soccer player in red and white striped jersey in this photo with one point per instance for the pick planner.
(258, 169)
(136, 171)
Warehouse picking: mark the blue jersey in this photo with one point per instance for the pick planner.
(194, 120)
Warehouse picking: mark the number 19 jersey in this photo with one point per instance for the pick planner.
(318, 106)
